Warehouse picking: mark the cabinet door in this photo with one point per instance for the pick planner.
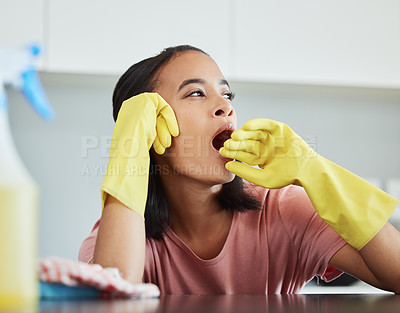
(343, 42)
(96, 36)
(21, 23)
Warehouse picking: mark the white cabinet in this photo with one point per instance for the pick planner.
(94, 36)
(339, 42)
(21, 23)
(333, 42)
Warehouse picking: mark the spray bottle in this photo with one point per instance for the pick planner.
(18, 191)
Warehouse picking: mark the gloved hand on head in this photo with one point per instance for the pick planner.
(354, 208)
(143, 121)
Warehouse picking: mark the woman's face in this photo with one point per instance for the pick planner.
(195, 88)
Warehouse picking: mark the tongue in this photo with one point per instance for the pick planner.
(219, 140)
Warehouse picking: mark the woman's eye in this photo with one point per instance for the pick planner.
(196, 93)
(229, 95)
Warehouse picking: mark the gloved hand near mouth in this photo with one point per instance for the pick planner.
(354, 208)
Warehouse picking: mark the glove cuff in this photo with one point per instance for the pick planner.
(354, 208)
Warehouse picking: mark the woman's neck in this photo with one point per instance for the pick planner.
(195, 209)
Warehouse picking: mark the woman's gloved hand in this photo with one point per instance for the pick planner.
(274, 147)
(355, 209)
(143, 121)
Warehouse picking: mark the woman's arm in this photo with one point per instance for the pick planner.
(121, 240)
(377, 263)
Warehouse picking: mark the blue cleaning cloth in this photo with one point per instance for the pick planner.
(59, 291)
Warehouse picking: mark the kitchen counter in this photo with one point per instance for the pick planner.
(307, 303)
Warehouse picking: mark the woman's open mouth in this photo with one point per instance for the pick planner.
(219, 139)
(223, 134)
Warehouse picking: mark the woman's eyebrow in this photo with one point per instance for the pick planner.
(224, 82)
(200, 81)
(191, 81)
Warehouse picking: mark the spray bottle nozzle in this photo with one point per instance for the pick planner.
(16, 69)
(35, 49)
(34, 93)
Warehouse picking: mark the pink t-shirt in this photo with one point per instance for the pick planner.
(274, 250)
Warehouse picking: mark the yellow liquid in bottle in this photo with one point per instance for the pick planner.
(18, 246)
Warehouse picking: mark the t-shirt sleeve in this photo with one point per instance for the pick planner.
(315, 241)
(86, 250)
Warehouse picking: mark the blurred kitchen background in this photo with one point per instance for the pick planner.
(328, 68)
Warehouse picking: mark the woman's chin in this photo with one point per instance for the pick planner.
(226, 176)
(223, 173)
(231, 178)
(216, 174)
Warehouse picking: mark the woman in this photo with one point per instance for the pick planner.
(207, 231)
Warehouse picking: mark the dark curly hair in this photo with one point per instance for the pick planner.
(140, 78)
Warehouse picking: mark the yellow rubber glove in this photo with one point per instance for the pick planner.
(143, 120)
(354, 208)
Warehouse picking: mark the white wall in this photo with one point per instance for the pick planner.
(357, 128)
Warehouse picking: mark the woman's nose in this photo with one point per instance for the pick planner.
(224, 109)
